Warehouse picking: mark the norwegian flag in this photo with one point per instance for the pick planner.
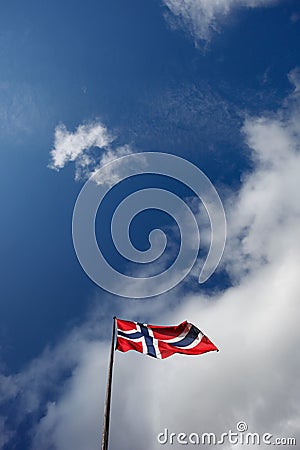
(162, 342)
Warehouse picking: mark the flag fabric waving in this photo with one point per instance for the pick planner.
(162, 342)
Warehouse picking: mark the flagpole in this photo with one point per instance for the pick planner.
(105, 434)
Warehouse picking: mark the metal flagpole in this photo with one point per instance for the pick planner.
(105, 433)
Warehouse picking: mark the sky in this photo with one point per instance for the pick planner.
(216, 82)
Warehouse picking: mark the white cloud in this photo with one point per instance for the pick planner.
(203, 18)
(75, 416)
(70, 146)
(79, 147)
(26, 390)
(268, 216)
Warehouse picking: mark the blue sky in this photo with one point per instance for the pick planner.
(215, 83)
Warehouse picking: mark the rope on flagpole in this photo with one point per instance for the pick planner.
(105, 434)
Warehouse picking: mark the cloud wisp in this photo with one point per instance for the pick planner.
(204, 18)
